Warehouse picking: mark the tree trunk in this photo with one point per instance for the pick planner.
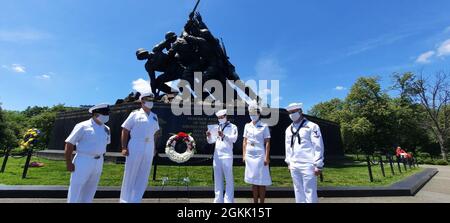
(443, 149)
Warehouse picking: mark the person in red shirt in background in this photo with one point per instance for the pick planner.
(402, 154)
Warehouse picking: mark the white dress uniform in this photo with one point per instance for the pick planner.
(256, 172)
(90, 140)
(141, 147)
(223, 162)
(304, 154)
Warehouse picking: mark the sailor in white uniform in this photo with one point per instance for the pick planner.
(227, 135)
(138, 145)
(90, 139)
(256, 150)
(304, 154)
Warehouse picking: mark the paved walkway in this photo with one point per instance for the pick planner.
(435, 191)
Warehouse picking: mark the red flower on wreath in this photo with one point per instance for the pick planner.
(182, 136)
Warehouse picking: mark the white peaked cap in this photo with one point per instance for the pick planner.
(148, 94)
(221, 113)
(253, 106)
(294, 106)
(99, 106)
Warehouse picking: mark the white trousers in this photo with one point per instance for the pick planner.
(305, 184)
(135, 179)
(84, 180)
(223, 168)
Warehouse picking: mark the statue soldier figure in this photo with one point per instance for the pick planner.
(159, 61)
(195, 50)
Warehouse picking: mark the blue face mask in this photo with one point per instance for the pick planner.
(103, 118)
(222, 120)
(295, 116)
(254, 117)
(148, 104)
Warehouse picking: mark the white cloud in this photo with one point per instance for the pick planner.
(277, 100)
(447, 30)
(17, 68)
(142, 86)
(265, 92)
(269, 68)
(340, 88)
(425, 57)
(379, 41)
(444, 49)
(44, 77)
(441, 51)
(22, 35)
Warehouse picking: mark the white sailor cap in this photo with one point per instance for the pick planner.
(148, 94)
(253, 107)
(100, 108)
(221, 113)
(294, 106)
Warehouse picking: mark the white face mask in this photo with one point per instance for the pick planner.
(254, 117)
(295, 116)
(103, 118)
(148, 104)
(222, 120)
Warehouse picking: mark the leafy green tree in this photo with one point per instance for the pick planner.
(329, 110)
(33, 111)
(3, 134)
(8, 137)
(368, 105)
(44, 119)
(356, 134)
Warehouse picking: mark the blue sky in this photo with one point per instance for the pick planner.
(82, 52)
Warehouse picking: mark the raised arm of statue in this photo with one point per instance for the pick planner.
(199, 19)
(161, 46)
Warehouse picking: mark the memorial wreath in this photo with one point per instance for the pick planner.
(173, 141)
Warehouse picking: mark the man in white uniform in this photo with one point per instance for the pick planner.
(138, 145)
(227, 134)
(304, 154)
(90, 138)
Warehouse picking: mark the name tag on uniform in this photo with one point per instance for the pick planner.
(147, 139)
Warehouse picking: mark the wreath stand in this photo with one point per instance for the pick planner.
(182, 178)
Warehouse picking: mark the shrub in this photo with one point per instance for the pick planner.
(427, 161)
(423, 155)
(441, 162)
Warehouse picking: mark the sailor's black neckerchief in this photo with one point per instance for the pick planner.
(226, 125)
(294, 134)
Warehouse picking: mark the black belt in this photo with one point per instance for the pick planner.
(95, 157)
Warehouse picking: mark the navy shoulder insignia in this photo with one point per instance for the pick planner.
(316, 134)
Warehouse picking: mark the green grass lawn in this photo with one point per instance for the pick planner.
(54, 173)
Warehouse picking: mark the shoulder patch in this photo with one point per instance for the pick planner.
(316, 133)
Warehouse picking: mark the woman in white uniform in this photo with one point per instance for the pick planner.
(138, 145)
(256, 150)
